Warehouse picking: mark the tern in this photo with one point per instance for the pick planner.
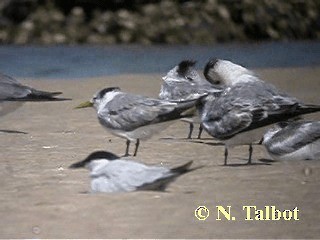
(13, 94)
(298, 140)
(110, 173)
(183, 83)
(247, 106)
(134, 117)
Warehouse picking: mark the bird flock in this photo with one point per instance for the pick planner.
(230, 102)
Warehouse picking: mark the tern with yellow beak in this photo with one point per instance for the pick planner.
(134, 117)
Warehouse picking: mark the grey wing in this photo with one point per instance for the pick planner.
(245, 107)
(7, 79)
(126, 176)
(259, 93)
(223, 125)
(294, 136)
(11, 88)
(181, 91)
(128, 112)
(209, 88)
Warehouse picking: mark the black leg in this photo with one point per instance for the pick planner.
(250, 154)
(261, 141)
(200, 131)
(225, 155)
(190, 130)
(127, 148)
(137, 146)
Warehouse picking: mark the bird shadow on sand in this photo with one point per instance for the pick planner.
(194, 140)
(85, 192)
(12, 131)
(264, 160)
(215, 143)
(170, 191)
(246, 165)
(208, 143)
(261, 162)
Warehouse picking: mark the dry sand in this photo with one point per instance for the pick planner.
(42, 198)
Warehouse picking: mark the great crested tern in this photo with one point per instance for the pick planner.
(247, 106)
(13, 94)
(134, 117)
(110, 173)
(298, 140)
(183, 83)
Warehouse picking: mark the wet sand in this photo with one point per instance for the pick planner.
(42, 198)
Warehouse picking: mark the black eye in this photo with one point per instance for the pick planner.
(190, 79)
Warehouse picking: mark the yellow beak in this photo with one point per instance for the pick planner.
(85, 105)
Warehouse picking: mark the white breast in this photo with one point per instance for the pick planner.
(142, 133)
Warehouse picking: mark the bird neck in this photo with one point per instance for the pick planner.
(97, 164)
(106, 99)
(269, 134)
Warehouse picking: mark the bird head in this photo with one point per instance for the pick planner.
(223, 72)
(184, 72)
(100, 96)
(93, 158)
(272, 131)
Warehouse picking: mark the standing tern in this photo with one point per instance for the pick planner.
(247, 106)
(13, 94)
(110, 173)
(299, 140)
(183, 83)
(134, 117)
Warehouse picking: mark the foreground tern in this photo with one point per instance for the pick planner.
(134, 117)
(246, 107)
(110, 173)
(13, 94)
(298, 140)
(183, 83)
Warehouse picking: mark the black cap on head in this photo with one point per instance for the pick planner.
(212, 62)
(94, 156)
(184, 66)
(105, 90)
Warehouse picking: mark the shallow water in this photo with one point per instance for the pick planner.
(73, 62)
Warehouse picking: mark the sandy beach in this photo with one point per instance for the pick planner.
(42, 198)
